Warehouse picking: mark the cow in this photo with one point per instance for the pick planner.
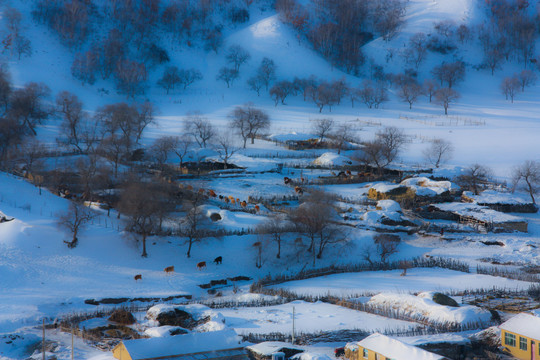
(257, 208)
(212, 193)
(169, 269)
(201, 265)
(243, 203)
(287, 180)
(138, 277)
(218, 260)
(298, 190)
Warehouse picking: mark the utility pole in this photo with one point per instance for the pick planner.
(292, 337)
(72, 341)
(43, 343)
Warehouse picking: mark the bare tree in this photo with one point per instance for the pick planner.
(510, 86)
(345, 132)
(170, 78)
(189, 76)
(247, 121)
(226, 147)
(280, 91)
(161, 149)
(324, 95)
(430, 88)
(256, 83)
(416, 50)
(5, 90)
(112, 148)
(474, 177)
(529, 173)
(237, 55)
(266, 71)
(323, 127)
(228, 75)
(183, 143)
(372, 94)
(409, 91)
(493, 59)
(85, 66)
(131, 77)
(445, 96)
(393, 140)
(22, 46)
(439, 151)
(75, 220)
(451, 73)
(313, 218)
(191, 224)
(70, 108)
(142, 204)
(387, 245)
(274, 227)
(200, 128)
(526, 78)
(28, 107)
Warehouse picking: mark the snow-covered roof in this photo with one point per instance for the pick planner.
(497, 197)
(182, 344)
(395, 349)
(523, 324)
(478, 212)
(388, 205)
(268, 348)
(385, 187)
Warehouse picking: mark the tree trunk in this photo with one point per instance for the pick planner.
(189, 248)
(144, 253)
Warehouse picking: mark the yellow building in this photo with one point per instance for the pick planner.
(381, 347)
(520, 336)
(213, 345)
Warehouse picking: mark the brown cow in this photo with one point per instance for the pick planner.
(287, 180)
(243, 203)
(212, 193)
(257, 208)
(201, 265)
(298, 190)
(169, 269)
(138, 277)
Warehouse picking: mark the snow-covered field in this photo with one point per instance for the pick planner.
(416, 280)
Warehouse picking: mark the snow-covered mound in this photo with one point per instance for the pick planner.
(427, 187)
(388, 205)
(293, 136)
(497, 197)
(332, 159)
(166, 330)
(423, 307)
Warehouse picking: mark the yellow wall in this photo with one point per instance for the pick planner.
(120, 352)
(359, 354)
(515, 350)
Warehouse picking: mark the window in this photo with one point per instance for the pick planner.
(522, 343)
(509, 339)
(365, 353)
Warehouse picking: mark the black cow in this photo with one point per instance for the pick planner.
(218, 260)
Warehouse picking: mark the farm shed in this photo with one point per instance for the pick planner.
(214, 345)
(501, 201)
(474, 214)
(264, 350)
(520, 336)
(378, 346)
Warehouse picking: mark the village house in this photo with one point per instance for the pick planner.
(270, 350)
(520, 336)
(381, 347)
(214, 345)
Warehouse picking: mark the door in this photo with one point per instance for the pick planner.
(534, 350)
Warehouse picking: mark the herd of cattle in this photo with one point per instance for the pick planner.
(200, 266)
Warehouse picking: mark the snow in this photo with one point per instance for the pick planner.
(182, 344)
(416, 280)
(498, 197)
(161, 331)
(388, 205)
(523, 324)
(294, 136)
(478, 212)
(427, 187)
(422, 306)
(332, 159)
(395, 349)
(385, 187)
(267, 348)
(308, 319)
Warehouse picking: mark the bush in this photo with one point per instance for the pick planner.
(215, 217)
(446, 300)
